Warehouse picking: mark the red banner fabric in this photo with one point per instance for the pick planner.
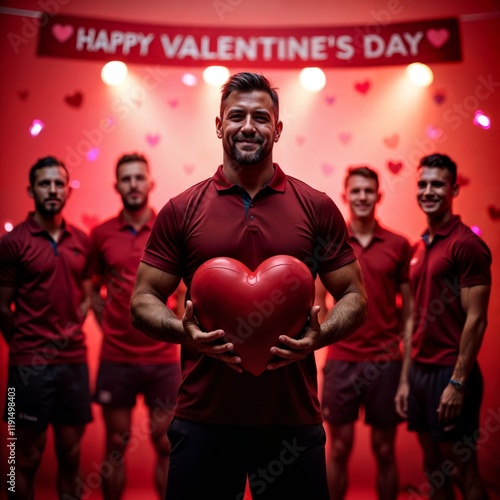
(292, 47)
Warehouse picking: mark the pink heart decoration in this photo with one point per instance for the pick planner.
(394, 167)
(327, 168)
(253, 307)
(345, 137)
(437, 38)
(188, 168)
(74, 100)
(439, 97)
(173, 103)
(23, 94)
(152, 140)
(62, 33)
(462, 181)
(329, 100)
(300, 140)
(494, 212)
(392, 142)
(90, 221)
(363, 87)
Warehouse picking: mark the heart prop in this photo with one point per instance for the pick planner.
(253, 307)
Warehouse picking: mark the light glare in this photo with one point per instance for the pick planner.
(215, 75)
(419, 74)
(114, 72)
(313, 79)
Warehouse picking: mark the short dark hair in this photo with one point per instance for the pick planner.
(130, 157)
(46, 161)
(246, 82)
(438, 160)
(362, 171)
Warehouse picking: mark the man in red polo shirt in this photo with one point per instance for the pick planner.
(450, 280)
(45, 274)
(230, 425)
(363, 370)
(130, 362)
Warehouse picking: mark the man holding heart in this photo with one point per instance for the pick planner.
(230, 425)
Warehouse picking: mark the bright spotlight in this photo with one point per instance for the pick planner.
(481, 120)
(114, 72)
(419, 74)
(215, 75)
(313, 79)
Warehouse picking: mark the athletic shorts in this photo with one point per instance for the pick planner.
(118, 384)
(52, 394)
(215, 461)
(350, 385)
(427, 383)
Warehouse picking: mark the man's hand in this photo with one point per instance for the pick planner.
(209, 343)
(401, 399)
(297, 348)
(450, 404)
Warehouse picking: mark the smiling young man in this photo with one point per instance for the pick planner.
(45, 273)
(230, 425)
(130, 362)
(450, 280)
(363, 370)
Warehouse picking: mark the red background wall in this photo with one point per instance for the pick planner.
(323, 134)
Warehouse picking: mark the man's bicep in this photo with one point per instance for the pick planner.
(153, 281)
(346, 279)
(475, 299)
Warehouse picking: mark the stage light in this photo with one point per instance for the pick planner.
(481, 120)
(215, 75)
(36, 127)
(312, 79)
(114, 72)
(8, 226)
(75, 184)
(419, 74)
(189, 79)
(476, 230)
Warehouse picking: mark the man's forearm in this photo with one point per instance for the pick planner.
(152, 317)
(348, 314)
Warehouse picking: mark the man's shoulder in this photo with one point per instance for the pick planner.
(106, 226)
(394, 236)
(20, 233)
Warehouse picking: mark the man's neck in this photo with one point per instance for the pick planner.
(250, 177)
(137, 218)
(363, 229)
(434, 224)
(52, 224)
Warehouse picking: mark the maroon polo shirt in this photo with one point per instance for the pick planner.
(457, 258)
(47, 277)
(215, 218)
(118, 249)
(384, 264)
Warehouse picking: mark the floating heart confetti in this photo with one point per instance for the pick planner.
(394, 167)
(494, 212)
(439, 97)
(74, 100)
(62, 33)
(437, 38)
(173, 103)
(23, 94)
(90, 221)
(392, 142)
(153, 140)
(93, 154)
(462, 181)
(300, 140)
(188, 168)
(329, 99)
(363, 87)
(327, 168)
(345, 137)
(434, 132)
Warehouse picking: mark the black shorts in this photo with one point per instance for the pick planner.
(427, 383)
(214, 461)
(349, 385)
(118, 384)
(55, 394)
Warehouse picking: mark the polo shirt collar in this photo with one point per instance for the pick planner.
(446, 229)
(277, 182)
(378, 232)
(35, 228)
(124, 224)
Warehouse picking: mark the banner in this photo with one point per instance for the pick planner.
(291, 47)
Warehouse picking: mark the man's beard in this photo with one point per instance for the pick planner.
(247, 158)
(133, 207)
(50, 210)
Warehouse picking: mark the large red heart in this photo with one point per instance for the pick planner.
(253, 307)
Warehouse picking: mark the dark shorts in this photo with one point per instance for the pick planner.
(54, 394)
(427, 383)
(118, 384)
(349, 385)
(214, 461)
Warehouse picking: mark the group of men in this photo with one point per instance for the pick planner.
(229, 427)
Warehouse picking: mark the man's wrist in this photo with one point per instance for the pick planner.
(457, 384)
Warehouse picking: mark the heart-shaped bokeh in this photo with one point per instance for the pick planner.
(253, 307)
